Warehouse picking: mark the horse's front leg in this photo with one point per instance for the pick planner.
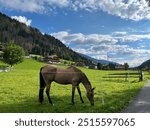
(48, 93)
(78, 88)
(73, 92)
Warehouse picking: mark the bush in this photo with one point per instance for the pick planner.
(13, 54)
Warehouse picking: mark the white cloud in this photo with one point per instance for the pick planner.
(80, 38)
(98, 45)
(126, 9)
(133, 38)
(119, 33)
(22, 19)
(60, 3)
(36, 6)
(81, 50)
(132, 9)
(24, 5)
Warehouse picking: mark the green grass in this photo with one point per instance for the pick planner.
(19, 91)
(2, 64)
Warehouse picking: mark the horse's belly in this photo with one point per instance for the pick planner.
(62, 82)
(63, 79)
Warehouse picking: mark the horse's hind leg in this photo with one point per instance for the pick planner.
(41, 97)
(73, 91)
(48, 93)
(78, 88)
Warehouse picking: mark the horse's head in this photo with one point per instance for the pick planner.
(90, 96)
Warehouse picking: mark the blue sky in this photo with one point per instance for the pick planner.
(117, 30)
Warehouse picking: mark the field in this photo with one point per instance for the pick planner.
(19, 91)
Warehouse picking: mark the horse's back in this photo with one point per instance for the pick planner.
(68, 75)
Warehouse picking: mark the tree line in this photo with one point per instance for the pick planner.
(112, 66)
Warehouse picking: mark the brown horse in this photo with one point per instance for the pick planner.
(71, 75)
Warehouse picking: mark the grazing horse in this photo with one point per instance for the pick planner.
(71, 75)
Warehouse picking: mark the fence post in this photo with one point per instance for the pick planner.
(141, 75)
(126, 79)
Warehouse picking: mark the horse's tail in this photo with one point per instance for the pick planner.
(42, 86)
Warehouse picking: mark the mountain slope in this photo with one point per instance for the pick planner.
(145, 65)
(34, 41)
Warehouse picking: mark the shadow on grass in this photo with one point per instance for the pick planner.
(31, 105)
(113, 102)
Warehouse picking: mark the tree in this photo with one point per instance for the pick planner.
(99, 66)
(91, 66)
(13, 54)
(126, 66)
(111, 66)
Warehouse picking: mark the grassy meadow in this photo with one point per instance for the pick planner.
(19, 91)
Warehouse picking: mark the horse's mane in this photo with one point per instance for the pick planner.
(85, 79)
(82, 74)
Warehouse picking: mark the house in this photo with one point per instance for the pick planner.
(51, 59)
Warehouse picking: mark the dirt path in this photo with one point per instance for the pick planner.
(141, 103)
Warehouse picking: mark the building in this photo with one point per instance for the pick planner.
(51, 59)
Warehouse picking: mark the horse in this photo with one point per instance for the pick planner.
(70, 75)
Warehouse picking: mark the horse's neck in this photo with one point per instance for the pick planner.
(86, 83)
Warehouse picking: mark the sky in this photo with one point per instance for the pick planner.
(115, 30)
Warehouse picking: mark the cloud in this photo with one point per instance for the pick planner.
(126, 9)
(98, 45)
(36, 6)
(113, 38)
(22, 19)
(60, 3)
(133, 38)
(80, 38)
(24, 5)
(132, 9)
(119, 33)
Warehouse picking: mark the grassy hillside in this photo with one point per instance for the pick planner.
(19, 91)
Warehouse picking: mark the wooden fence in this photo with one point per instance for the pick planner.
(126, 76)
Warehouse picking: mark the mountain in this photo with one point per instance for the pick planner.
(98, 61)
(33, 41)
(145, 65)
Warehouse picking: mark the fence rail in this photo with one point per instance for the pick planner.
(126, 76)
